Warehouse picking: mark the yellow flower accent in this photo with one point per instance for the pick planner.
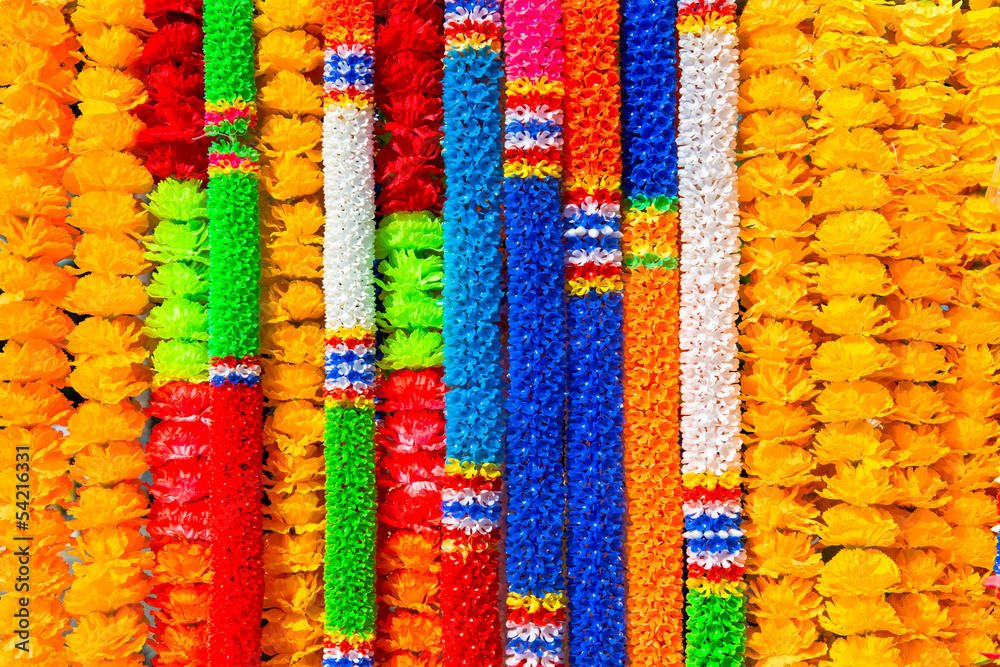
(301, 220)
(728, 480)
(778, 554)
(288, 14)
(919, 64)
(119, 255)
(109, 379)
(296, 136)
(107, 170)
(917, 320)
(850, 61)
(852, 441)
(294, 301)
(773, 508)
(850, 189)
(303, 511)
(979, 27)
(919, 404)
(982, 105)
(973, 398)
(784, 641)
(119, 461)
(979, 545)
(980, 68)
(778, 423)
(123, 505)
(920, 361)
(923, 104)
(920, 569)
(919, 487)
(115, 48)
(850, 615)
(773, 132)
(780, 216)
(773, 175)
(777, 464)
(104, 91)
(773, 48)
(854, 232)
(108, 296)
(918, 280)
(928, 22)
(850, 358)
(846, 17)
(22, 279)
(291, 93)
(777, 340)
(115, 131)
(862, 485)
(848, 108)
(761, 14)
(108, 213)
(922, 528)
(777, 382)
(857, 527)
(102, 638)
(863, 651)
(599, 284)
(777, 257)
(921, 445)
(779, 298)
(286, 382)
(524, 86)
(970, 434)
(522, 169)
(292, 344)
(857, 148)
(789, 597)
(32, 404)
(91, 13)
(853, 275)
(291, 177)
(288, 51)
(846, 315)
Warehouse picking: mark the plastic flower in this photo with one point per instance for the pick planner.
(301, 220)
(777, 554)
(857, 148)
(788, 640)
(853, 275)
(922, 64)
(773, 175)
(850, 358)
(105, 586)
(291, 93)
(115, 639)
(928, 23)
(854, 233)
(774, 132)
(918, 403)
(974, 325)
(275, 14)
(923, 104)
(775, 463)
(858, 527)
(920, 569)
(32, 404)
(409, 550)
(281, 135)
(107, 170)
(285, 382)
(108, 213)
(761, 14)
(774, 48)
(861, 485)
(923, 528)
(919, 361)
(777, 340)
(108, 296)
(858, 572)
(777, 89)
(114, 47)
(292, 260)
(288, 51)
(919, 445)
(850, 189)
(917, 320)
(109, 465)
(777, 382)
(292, 344)
(291, 177)
(779, 216)
(773, 508)
(182, 563)
(103, 507)
(118, 255)
(777, 422)
(97, 337)
(980, 68)
(104, 91)
(412, 589)
(99, 423)
(35, 238)
(848, 108)
(788, 597)
(294, 301)
(409, 631)
(978, 27)
(860, 651)
(861, 615)
(34, 361)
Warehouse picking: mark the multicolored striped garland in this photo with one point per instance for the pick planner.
(654, 549)
(536, 489)
(235, 458)
(593, 265)
(472, 352)
(710, 406)
(348, 285)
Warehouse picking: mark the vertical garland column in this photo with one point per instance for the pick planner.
(348, 257)
(290, 53)
(176, 154)
(654, 550)
(33, 329)
(472, 352)
(235, 459)
(710, 405)
(593, 267)
(536, 488)
(408, 54)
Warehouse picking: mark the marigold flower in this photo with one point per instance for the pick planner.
(299, 418)
(920, 361)
(861, 615)
(774, 132)
(98, 507)
(920, 569)
(281, 135)
(784, 553)
(919, 445)
(784, 641)
(183, 563)
(408, 631)
(853, 275)
(779, 423)
(861, 485)
(848, 108)
(858, 527)
(36, 238)
(918, 320)
(291, 93)
(789, 597)
(858, 572)
(918, 63)
(32, 404)
(928, 23)
(773, 508)
(409, 550)
(22, 321)
(861, 651)
(295, 467)
(100, 423)
(22, 279)
(110, 379)
(295, 594)
(291, 177)
(780, 465)
(99, 637)
(108, 213)
(847, 315)
(115, 131)
(850, 358)
(288, 51)
(277, 14)
(980, 68)
(777, 340)
(26, 193)
(777, 382)
(34, 361)
(293, 260)
(119, 461)
(303, 511)
(854, 233)
(284, 553)
(412, 589)
(292, 344)
(850, 189)
(91, 13)
(285, 382)
(107, 170)
(777, 89)
(104, 587)
(973, 325)
(779, 216)
(108, 296)
(105, 91)
(978, 545)
(183, 604)
(772, 175)
(114, 543)
(302, 220)
(771, 48)
(922, 528)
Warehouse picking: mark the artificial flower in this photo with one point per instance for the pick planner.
(853, 275)
(777, 382)
(409, 631)
(850, 189)
(848, 108)
(109, 465)
(22, 321)
(288, 51)
(920, 445)
(773, 508)
(104, 212)
(104, 587)
(918, 63)
(107, 170)
(103, 638)
(97, 507)
(919, 404)
(91, 13)
(773, 132)
(291, 93)
(858, 572)
(106, 91)
(854, 233)
(34, 361)
(775, 47)
(852, 526)
(861, 615)
(291, 177)
(928, 23)
(918, 320)
(778, 217)
(784, 641)
(110, 379)
(772, 175)
(294, 301)
(861, 485)
(850, 315)
(850, 358)
(32, 404)
(861, 650)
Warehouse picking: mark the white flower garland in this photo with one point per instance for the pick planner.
(349, 237)
(709, 221)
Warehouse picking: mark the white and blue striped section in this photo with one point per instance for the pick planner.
(348, 69)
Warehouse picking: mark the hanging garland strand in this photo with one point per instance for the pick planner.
(654, 549)
(348, 143)
(472, 295)
(409, 50)
(536, 488)
(235, 459)
(593, 266)
(710, 408)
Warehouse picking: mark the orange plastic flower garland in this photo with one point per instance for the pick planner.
(290, 50)
(108, 346)
(36, 74)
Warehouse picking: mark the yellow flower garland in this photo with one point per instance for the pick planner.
(289, 52)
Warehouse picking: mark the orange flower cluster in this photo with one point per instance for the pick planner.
(870, 336)
(36, 69)
(652, 457)
(108, 346)
(290, 58)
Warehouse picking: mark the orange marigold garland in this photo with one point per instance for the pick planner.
(108, 346)
(37, 66)
(289, 51)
